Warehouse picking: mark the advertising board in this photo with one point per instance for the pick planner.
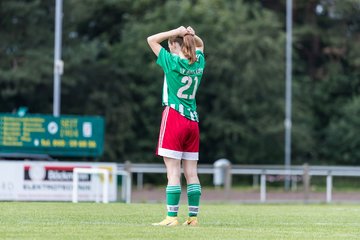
(52, 181)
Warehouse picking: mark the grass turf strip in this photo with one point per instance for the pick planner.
(22, 220)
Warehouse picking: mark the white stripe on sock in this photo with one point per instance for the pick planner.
(172, 208)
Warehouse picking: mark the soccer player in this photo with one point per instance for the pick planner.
(179, 132)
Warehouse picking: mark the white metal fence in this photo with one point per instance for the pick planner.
(263, 171)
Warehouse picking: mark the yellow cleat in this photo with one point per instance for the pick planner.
(191, 221)
(168, 221)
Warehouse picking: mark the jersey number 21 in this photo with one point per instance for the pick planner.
(188, 81)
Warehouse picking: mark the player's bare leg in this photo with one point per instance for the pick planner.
(173, 170)
(173, 192)
(190, 171)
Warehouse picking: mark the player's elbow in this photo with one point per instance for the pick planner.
(150, 40)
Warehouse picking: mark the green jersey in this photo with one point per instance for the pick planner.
(181, 82)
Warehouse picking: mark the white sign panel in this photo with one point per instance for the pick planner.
(52, 181)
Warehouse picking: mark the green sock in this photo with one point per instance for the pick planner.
(173, 193)
(194, 193)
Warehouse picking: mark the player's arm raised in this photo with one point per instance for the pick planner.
(155, 40)
(199, 44)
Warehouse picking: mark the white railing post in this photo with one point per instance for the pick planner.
(329, 187)
(263, 188)
(128, 188)
(125, 185)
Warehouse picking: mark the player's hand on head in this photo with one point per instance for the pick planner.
(190, 30)
(182, 31)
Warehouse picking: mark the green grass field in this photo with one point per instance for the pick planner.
(21, 220)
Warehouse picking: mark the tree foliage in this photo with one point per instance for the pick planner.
(110, 71)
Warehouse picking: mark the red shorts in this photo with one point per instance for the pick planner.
(179, 137)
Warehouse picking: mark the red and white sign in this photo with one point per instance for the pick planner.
(52, 181)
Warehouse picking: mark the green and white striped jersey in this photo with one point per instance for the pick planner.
(181, 82)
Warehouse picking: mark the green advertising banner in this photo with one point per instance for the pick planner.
(55, 136)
